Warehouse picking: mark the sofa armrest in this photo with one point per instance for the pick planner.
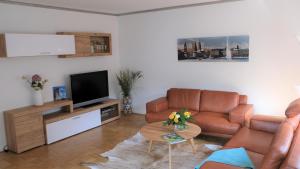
(266, 123)
(241, 114)
(157, 105)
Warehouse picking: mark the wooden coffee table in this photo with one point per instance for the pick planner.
(154, 132)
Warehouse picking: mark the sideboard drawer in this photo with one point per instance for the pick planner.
(29, 124)
(30, 140)
(65, 128)
(29, 131)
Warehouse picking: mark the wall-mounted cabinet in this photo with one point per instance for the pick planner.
(90, 44)
(19, 45)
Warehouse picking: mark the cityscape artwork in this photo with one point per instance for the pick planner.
(223, 48)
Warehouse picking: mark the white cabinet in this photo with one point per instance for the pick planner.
(65, 128)
(18, 45)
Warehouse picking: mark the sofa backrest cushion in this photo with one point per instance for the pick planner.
(294, 121)
(279, 147)
(293, 158)
(266, 123)
(293, 109)
(218, 101)
(184, 98)
(243, 99)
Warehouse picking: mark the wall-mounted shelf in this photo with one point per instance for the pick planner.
(90, 44)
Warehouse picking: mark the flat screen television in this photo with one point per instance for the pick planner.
(89, 88)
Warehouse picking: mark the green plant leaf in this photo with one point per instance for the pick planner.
(126, 79)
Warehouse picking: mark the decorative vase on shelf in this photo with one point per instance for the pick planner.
(37, 98)
(37, 83)
(127, 105)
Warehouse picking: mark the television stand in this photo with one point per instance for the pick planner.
(55, 126)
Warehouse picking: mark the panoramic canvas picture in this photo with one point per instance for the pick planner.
(223, 48)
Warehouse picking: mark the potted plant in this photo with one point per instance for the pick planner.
(179, 119)
(37, 84)
(126, 79)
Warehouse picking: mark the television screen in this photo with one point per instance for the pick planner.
(89, 88)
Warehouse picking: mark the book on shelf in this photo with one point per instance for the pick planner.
(173, 138)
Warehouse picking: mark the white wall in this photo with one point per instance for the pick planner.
(14, 92)
(148, 43)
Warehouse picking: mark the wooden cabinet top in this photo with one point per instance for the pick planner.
(46, 107)
(62, 114)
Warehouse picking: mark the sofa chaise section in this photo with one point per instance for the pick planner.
(271, 142)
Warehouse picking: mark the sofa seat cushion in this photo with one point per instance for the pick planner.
(184, 98)
(212, 122)
(218, 101)
(251, 140)
(164, 115)
(215, 165)
(256, 158)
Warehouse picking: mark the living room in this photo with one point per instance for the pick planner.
(144, 36)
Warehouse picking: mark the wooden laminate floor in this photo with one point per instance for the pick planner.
(84, 147)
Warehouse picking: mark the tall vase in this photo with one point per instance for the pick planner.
(127, 105)
(37, 98)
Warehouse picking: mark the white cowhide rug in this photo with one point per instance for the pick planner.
(132, 154)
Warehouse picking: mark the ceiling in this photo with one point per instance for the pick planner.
(114, 7)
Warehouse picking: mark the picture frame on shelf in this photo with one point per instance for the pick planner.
(59, 93)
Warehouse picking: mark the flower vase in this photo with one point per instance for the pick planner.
(37, 98)
(180, 127)
(127, 105)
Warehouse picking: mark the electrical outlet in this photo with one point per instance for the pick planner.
(5, 148)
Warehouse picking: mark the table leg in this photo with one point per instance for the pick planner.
(193, 145)
(170, 156)
(150, 146)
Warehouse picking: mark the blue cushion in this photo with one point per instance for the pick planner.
(235, 157)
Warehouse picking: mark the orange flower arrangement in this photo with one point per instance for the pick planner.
(179, 118)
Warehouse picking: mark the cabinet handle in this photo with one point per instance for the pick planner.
(45, 53)
(77, 117)
(108, 110)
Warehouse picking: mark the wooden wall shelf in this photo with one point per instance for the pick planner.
(90, 44)
(2, 46)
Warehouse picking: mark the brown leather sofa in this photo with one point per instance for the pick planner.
(271, 143)
(218, 113)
